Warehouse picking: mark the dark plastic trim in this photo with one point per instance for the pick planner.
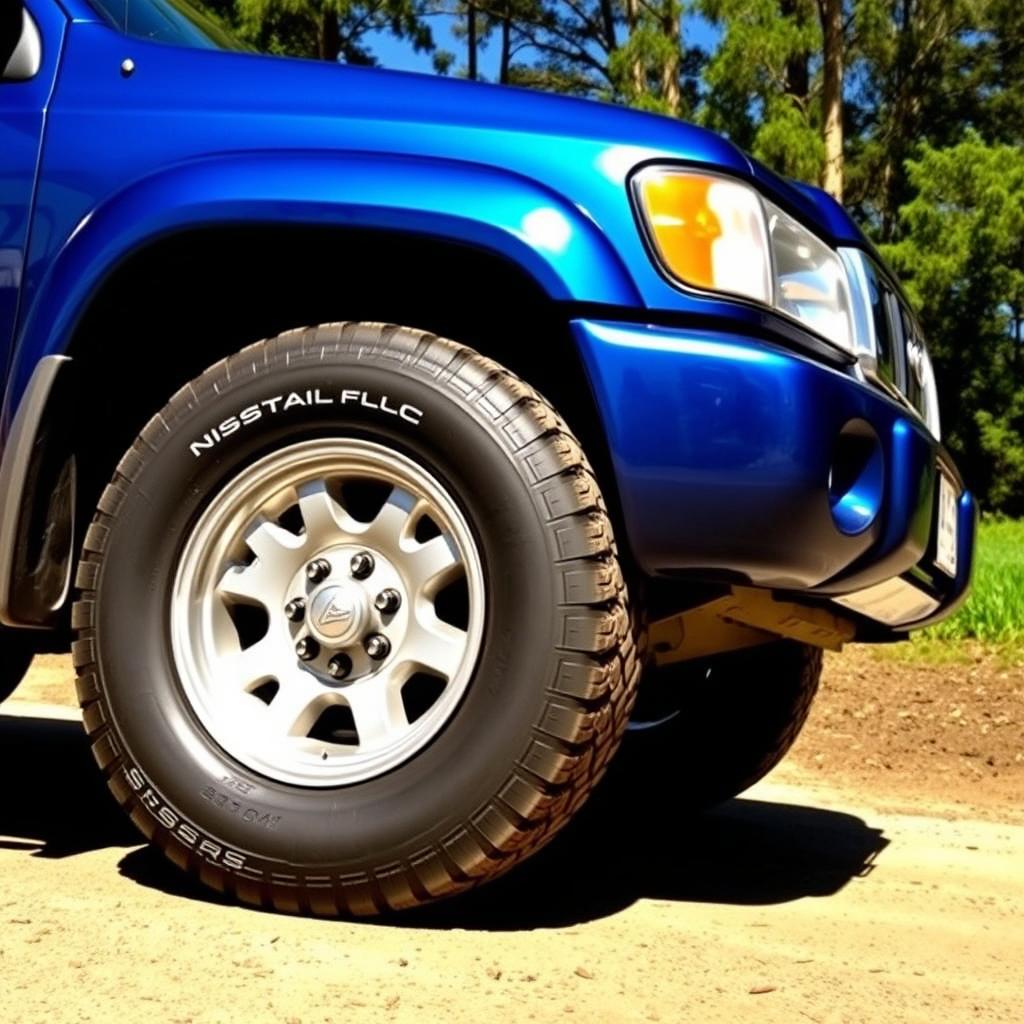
(17, 457)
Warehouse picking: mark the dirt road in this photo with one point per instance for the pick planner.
(800, 901)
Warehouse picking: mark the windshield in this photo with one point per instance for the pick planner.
(167, 21)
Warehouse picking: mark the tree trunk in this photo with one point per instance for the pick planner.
(831, 12)
(506, 43)
(471, 40)
(636, 71)
(608, 15)
(671, 27)
(329, 34)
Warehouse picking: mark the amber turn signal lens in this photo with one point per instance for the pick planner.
(710, 232)
(683, 224)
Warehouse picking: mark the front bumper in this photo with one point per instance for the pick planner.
(740, 461)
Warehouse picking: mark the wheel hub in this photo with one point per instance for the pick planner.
(342, 611)
(338, 614)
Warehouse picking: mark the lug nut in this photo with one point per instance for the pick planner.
(307, 649)
(377, 646)
(361, 565)
(388, 601)
(295, 609)
(318, 570)
(339, 666)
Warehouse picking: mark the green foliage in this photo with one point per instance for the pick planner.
(916, 65)
(994, 613)
(760, 86)
(961, 257)
(328, 29)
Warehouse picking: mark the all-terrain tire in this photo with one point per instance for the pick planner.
(553, 686)
(713, 728)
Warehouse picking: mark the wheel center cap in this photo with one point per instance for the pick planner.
(338, 613)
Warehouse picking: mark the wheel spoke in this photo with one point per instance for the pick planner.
(256, 664)
(433, 645)
(240, 584)
(278, 551)
(433, 565)
(278, 555)
(394, 522)
(378, 711)
(298, 702)
(323, 516)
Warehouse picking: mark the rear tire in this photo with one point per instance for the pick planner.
(547, 698)
(16, 653)
(711, 729)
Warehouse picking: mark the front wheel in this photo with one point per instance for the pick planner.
(352, 631)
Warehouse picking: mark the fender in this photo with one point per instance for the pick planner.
(554, 241)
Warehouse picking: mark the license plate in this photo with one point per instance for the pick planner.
(945, 546)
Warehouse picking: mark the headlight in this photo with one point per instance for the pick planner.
(719, 235)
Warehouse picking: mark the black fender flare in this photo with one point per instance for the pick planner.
(37, 504)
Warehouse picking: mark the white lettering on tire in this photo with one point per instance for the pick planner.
(380, 403)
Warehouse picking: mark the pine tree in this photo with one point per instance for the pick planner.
(763, 82)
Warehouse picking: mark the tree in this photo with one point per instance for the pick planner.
(630, 52)
(763, 89)
(994, 79)
(914, 59)
(647, 70)
(961, 255)
(329, 29)
(571, 46)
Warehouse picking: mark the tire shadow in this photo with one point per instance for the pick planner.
(55, 802)
(747, 852)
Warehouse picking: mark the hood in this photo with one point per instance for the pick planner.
(380, 95)
(404, 95)
(812, 205)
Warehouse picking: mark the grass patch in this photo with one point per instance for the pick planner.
(924, 649)
(994, 612)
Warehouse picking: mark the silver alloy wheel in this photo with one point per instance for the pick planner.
(320, 696)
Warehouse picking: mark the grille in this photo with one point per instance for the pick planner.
(893, 351)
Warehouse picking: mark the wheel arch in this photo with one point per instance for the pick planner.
(550, 239)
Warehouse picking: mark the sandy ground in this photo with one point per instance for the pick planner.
(877, 875)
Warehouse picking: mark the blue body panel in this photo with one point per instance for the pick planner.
(724, 447)
(721, 443)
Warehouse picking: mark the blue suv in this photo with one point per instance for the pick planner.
(572, 423)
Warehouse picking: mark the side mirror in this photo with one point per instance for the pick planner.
(21, 49)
